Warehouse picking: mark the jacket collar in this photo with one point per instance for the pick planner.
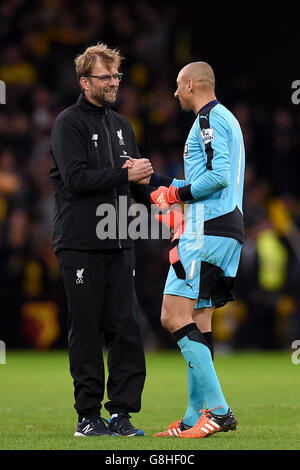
(90, 107)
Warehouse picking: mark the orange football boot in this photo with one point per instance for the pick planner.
(173, 430)
(210, 423)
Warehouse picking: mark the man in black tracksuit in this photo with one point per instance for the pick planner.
(90, 146)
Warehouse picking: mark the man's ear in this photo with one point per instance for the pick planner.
(190, 84)
(84, 83)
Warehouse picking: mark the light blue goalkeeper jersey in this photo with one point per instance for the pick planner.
(214, 165)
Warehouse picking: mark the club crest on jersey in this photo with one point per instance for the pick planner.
(120, 137)
(207, 135)
(95, 139)
(186, 151)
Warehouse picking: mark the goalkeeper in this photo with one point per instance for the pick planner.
(206, 251)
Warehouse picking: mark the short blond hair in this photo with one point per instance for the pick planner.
(84, 62)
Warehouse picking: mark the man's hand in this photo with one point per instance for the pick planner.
(159, 198)
(139, 169)
(145, 181)
(172, 195)
(129, 162)
(164, 197)
(172, 218)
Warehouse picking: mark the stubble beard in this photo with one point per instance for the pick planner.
(105, 97)
(183, 106)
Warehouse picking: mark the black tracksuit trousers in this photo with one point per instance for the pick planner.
(100, 291)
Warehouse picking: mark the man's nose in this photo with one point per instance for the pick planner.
(114, 81)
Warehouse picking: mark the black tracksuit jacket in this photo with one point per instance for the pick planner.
(88, 146)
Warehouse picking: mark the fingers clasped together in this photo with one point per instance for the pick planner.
(139, 170)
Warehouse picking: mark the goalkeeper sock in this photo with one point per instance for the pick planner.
(196, 395)
(196, 399)
(197, 355)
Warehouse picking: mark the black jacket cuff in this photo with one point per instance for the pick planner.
(160, 180)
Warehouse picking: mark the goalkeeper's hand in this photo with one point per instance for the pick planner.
(164, 197)
(173, 219)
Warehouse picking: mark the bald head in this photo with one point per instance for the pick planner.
(195, 86)
(201, 73)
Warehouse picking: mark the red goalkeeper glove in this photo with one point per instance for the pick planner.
(173, 219)
(164, 197)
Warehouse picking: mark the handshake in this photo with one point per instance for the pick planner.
(139, 170)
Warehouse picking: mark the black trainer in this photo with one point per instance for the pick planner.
(92, 427)
(119, 424)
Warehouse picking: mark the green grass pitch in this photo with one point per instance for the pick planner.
(36, 403)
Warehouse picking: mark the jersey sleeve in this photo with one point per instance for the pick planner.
(178, 183)
(217, 175)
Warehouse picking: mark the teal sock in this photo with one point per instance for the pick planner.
(196, 400)
(197, 354)
(196, 396)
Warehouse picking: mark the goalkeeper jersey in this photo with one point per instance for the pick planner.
(214, 165)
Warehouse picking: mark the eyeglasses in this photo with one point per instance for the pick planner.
(107, 78)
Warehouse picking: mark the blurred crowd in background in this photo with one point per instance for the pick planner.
(39, 42)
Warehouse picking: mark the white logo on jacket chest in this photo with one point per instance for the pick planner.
(95, 139)
(124, 154)
(120, 137)
(79, 274)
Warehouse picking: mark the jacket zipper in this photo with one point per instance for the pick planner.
(110, 152)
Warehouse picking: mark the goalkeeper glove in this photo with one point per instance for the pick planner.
(173, 219)
(164, 197)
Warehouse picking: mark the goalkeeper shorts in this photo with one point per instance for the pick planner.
(209, 266)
